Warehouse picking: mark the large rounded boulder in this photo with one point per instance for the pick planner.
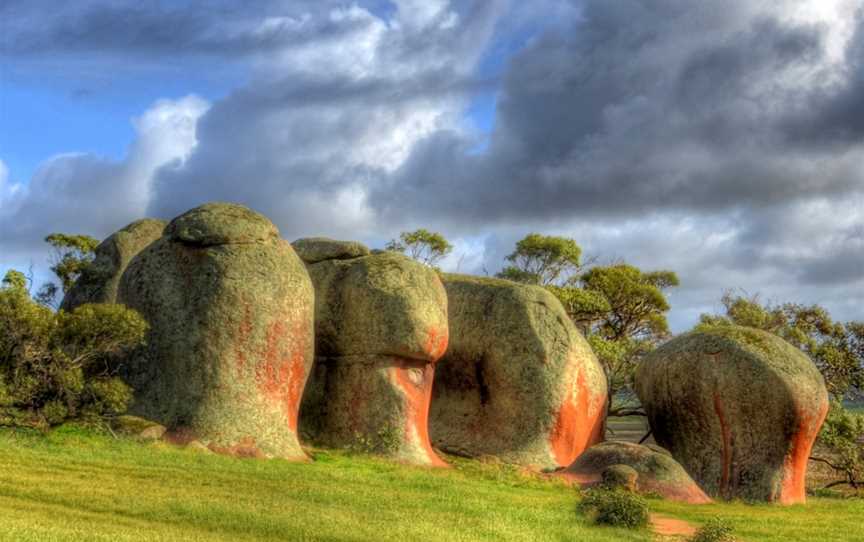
(381, 324)
(656, 470)
(231, 313)
(100, 280)
(739, 408)
(518, 381)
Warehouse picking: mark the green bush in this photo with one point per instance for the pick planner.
(60, 365)
(615, 507)
(840, 439)
(715, 530)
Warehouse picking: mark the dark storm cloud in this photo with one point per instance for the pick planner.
(644, 106)
(224, 28)
(717, 139)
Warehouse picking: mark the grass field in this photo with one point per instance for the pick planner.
(76, 484)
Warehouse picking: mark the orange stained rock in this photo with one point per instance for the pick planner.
(579, 423)
(416, 383)
(793, 489)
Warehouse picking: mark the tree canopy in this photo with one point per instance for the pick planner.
(72, 254)
(422, 245)
(57, 365)
(543, 259)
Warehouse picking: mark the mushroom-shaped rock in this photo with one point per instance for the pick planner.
(657, 472)
(518, 381)
(738, 407)
(318, 249)
(231, 313)
(381, 324)
(100, 280)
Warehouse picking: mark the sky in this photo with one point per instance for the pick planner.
(720, 139)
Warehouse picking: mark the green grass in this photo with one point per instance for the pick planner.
(75, 484)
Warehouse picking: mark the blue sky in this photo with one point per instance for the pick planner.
(725, 144)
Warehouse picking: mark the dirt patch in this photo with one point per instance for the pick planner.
(669, 528)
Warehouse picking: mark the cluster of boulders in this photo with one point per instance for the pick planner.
(256, 345)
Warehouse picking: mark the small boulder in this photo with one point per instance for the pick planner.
(317, 249)
(381, 324)
(100, 280)
(231, 313)
(518, 381)
(138, 427)
(739, 408)
(198, 446)
(646, 470)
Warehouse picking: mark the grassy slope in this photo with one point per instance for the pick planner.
(76, 485)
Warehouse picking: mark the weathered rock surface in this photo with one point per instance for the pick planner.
(100, 281)
(656, 471)
(518, 381)
(381, 324)
(739, 408)
(138, 427)
(317, 249)
(231, 312)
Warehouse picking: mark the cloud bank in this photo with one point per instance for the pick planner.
(723, 140)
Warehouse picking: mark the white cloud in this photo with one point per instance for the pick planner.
(86, 193)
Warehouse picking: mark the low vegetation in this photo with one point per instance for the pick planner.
(60, 365)
(617, 507)
(76, 483)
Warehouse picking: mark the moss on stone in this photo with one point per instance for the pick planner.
(100, 280)
(518, 382)
(381, 322)
(383, 304)
(658, 473)
(317, 249)
(221, 224)
(231, 331)
(738, 407)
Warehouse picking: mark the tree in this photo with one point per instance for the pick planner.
(840, 439)
(544, 260)
(58, 365)
(422, 245)
(72, 254)
(836, 348)
(634, 323)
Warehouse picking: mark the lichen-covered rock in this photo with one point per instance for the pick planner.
(138, 427)
(657, 472)
(318, 249)
(739, 408)
(381, 324)
(518, 381)
(231, 312)
(99, 282)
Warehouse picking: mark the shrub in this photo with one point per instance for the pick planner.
(841, 437)
(55, 366)
(715, 530)
(615, 507)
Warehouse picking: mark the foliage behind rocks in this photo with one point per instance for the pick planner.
(55, 366)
